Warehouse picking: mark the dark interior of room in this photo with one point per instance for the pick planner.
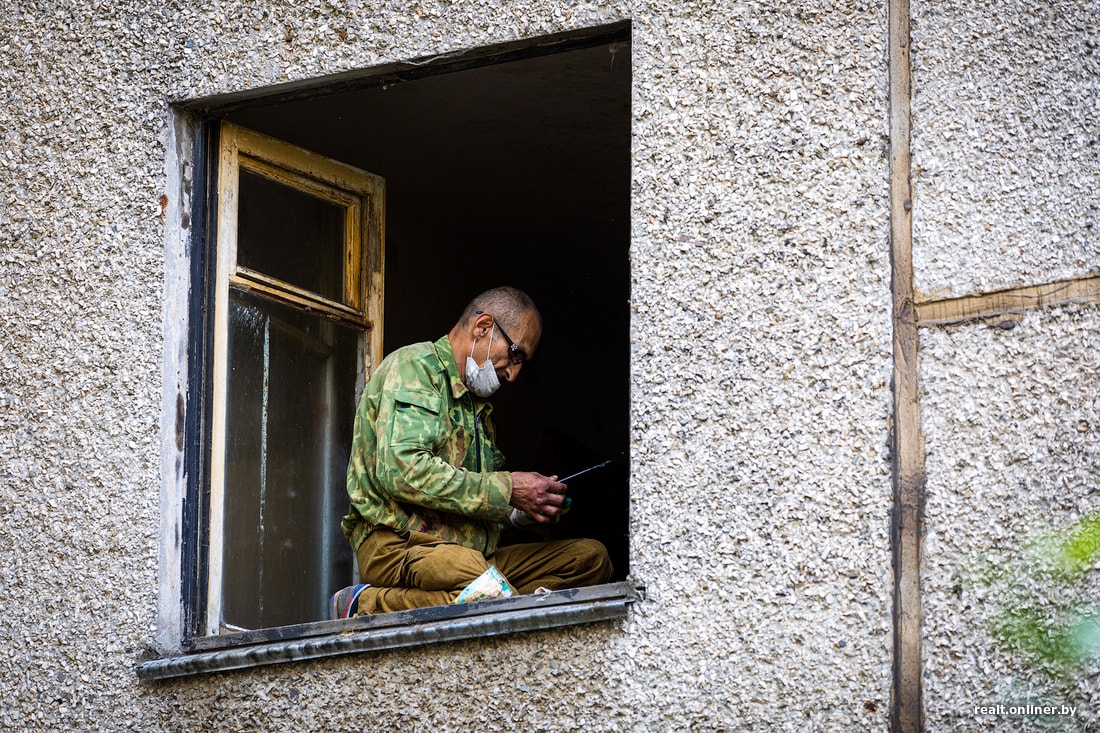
(511, 173)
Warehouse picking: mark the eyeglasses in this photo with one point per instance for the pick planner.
(515, 353)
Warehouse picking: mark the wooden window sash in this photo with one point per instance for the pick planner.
(363, 196)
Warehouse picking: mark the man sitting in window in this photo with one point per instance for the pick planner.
(428, 498)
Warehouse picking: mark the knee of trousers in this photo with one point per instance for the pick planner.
(443, 566)
(593, 554)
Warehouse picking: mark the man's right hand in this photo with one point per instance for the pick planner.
(540, 496)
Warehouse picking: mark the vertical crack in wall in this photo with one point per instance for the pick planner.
(907, 445)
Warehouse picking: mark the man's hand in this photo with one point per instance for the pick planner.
(540, 496)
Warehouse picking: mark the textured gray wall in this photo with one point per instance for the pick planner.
(1006, 143)
(761, 480)
(1006, 147)
(1013, 450)
(761, 351)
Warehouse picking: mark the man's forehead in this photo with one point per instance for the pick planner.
(531, 331)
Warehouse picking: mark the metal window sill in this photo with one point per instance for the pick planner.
(394, 630)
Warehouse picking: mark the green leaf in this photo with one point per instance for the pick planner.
(1079, 548)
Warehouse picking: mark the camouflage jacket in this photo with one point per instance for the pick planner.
(423, 456)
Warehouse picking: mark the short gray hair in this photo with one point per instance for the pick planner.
(505, 303)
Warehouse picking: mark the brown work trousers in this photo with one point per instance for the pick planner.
(415, 570)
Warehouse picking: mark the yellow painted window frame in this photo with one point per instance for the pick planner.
(362, 194)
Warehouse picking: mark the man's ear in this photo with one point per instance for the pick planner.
(481, 325)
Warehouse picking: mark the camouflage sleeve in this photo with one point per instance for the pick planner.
(420, 456)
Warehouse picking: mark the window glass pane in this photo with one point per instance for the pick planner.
(291, 235)
(291, 402)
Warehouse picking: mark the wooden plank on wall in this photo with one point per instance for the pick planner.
(988, 305)
(907, 713)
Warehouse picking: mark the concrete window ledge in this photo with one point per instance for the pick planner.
(392, 630)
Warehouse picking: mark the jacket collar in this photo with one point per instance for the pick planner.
(450, 365)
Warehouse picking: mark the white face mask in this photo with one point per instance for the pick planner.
(481, 380)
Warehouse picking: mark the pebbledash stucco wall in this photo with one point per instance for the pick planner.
(1010, 419)
(1006, 155)
(761, 476)
(1006, 144)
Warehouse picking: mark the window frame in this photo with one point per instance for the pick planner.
(190, 212)
(363, 196)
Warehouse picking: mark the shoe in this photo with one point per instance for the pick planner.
(345, 602)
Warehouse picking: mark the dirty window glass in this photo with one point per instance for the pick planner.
(291, 400)
(303, 245)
